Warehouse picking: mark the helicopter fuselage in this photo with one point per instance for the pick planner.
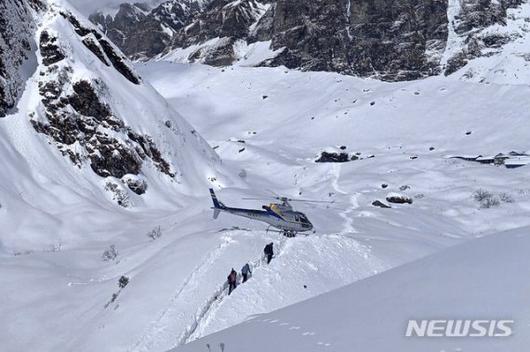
(280, 216)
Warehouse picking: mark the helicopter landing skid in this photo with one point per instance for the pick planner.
(288, 234)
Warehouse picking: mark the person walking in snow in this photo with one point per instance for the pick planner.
(269, 252)
(232, 281)
(245, 272)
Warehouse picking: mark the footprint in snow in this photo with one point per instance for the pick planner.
(308, 333)
(294, 328)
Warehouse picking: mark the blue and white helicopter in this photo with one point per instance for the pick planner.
(281, 216)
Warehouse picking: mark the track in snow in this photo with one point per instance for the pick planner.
(157, 326)
(207, 312)
(346, 214)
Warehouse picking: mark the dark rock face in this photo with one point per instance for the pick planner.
(141, 33)
(82, 118)
(103, 50)
(16, 33)
(477, 14)
(223, 18)
(386, 39)
(81, 124)
(95, 48)
(49, 50)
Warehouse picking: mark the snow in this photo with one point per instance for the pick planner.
(271, 123)
(245, 54)
(107, 6)
(508, 65)
(255, 53)
(483, 279)
(454, 41)
(182, 54)
(40, 183)
(228, 105)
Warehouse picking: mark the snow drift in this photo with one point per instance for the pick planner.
(482, 279)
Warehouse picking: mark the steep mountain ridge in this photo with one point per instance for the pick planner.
(142, 32)
(88, 119)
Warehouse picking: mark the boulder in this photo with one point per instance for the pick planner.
(380, 204)
(331, 157)
(398, 199)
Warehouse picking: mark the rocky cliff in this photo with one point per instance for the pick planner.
(16, 46)
(390, 40)
(87, 102)
(141, 32)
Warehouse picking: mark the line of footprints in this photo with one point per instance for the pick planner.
(295, 328)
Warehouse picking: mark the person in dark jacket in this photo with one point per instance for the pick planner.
(232, 281)
(269, 252)
(246, 272)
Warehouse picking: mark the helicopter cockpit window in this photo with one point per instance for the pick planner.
(297, 218)
(304, 220)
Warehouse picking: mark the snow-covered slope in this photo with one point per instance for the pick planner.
(272, 125)
(483, 279)
(507, 57)
(67, 242)
(89, 132)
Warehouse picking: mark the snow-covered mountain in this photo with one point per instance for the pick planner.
(389, 40)
(85, 121)
(143, 32)
(107, 241)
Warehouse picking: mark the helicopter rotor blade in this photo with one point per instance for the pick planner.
(310, 201)
(289, 199)
(250, 198)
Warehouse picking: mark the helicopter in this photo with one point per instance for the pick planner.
(281, 216)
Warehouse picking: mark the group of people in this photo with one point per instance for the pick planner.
(245, 270)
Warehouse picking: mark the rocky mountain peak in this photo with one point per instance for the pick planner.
(389, 40)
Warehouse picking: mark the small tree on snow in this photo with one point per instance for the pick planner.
(155, 233)
(110, 253)
(486, 199)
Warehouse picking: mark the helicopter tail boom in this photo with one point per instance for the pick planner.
(217, 205)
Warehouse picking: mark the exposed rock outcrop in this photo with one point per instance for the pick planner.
(397, 198)
(79, 121)
(16, 48)
(102, 48)
(386, 39)
(474, 16)
(143, 33)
